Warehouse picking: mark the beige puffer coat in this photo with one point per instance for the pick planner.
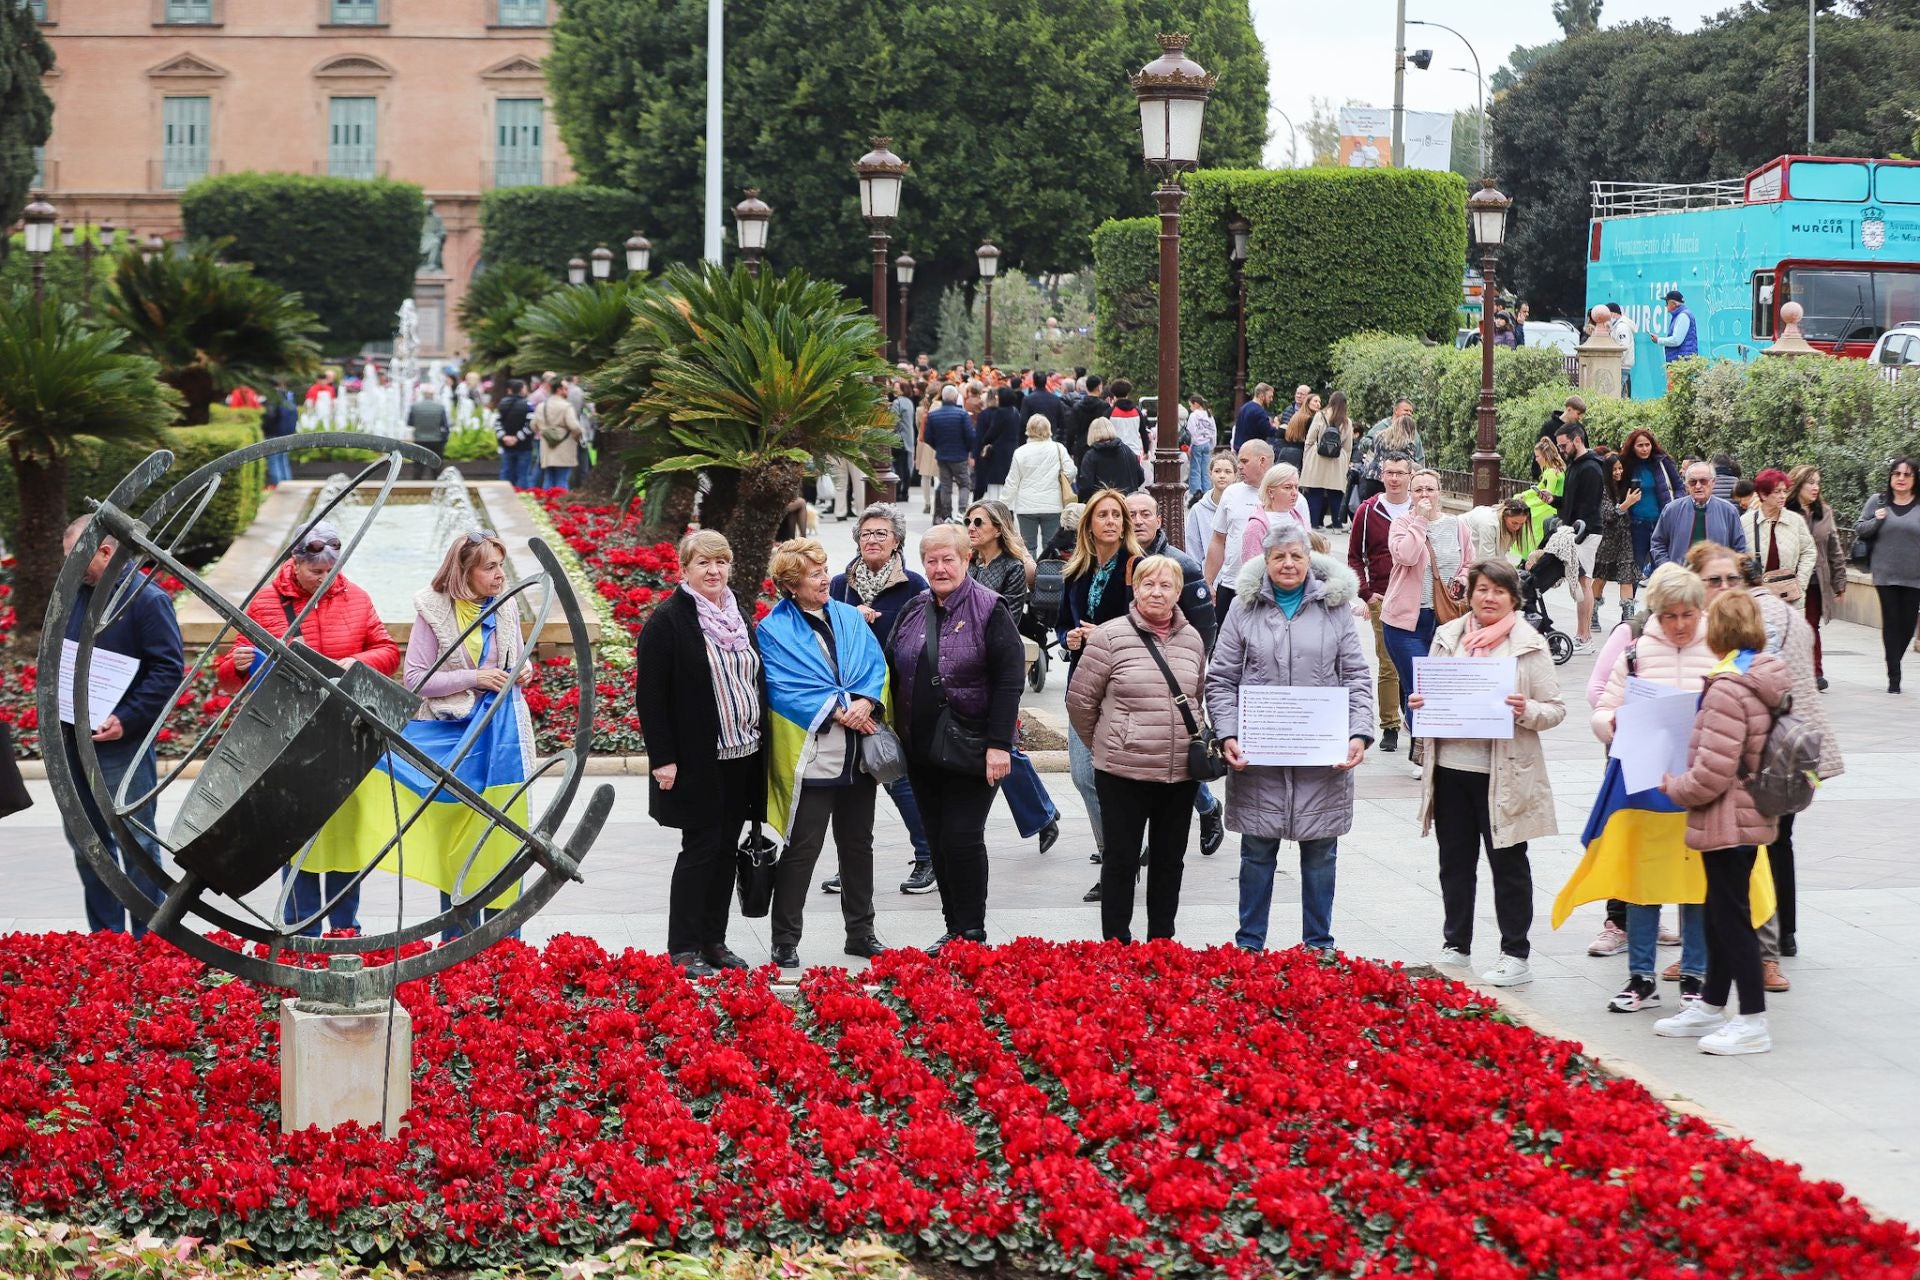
(1655, 659)
(1736, 712)
(1120, 705)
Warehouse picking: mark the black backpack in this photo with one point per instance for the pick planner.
(1328, 445)
(1049, 586)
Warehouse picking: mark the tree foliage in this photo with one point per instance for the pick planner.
(1729, 97)
(574, 330)
(26, 113)
(545, 227)
(1578, 17)
(348, 246)
(491, 311)
(1018, 118)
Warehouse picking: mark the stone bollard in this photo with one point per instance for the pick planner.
(1600, 358)
(1791, 341)
(337, 1062)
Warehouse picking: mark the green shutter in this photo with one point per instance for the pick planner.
(189, 10)
(37, 8)
(350, 137)
(356, 12)
(516, 148)
(184, 149)
(523, 13)
(39, 167)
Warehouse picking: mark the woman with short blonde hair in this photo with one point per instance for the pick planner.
(1039, 482)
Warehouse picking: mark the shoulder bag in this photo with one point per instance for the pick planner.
(1205, 759)
(1067, 495)
(956, 747)
(1782, 582)
(882, 757)
(1445, 606)
(13, 792)
(754, 863)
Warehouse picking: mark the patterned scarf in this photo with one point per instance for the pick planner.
(721, 623)
(1098, 587)
(868, 583)
(1480, 641)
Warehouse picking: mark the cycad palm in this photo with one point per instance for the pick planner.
(755, 376)
(491, 311)
(575, 330)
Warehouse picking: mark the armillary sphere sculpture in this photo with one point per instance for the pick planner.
(291, 747)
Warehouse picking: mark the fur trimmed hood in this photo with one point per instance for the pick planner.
(1328, 581)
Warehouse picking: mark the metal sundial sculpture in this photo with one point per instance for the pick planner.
(292, 746)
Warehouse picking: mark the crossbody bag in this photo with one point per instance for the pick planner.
(1205, 758)
(956, 747)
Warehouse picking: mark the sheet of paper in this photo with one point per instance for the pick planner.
(1464, 697)
(1650, 734)
(109, 676)
(1293, 724)
(1639, 688)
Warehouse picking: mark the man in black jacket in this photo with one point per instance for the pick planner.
(1043, 401)
(516, 440)
(1581, 499)
(1094, 406)
(1573, 411)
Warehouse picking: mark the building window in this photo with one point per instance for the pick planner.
(183, 155)
(189, 11)
(523, 13)
(350, 137)
(516, 147)
(37, 9)
(39, 167)
(358, 13)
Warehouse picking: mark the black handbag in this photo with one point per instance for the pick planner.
(13, 792)
(956, 747)
(1205, 758)
(753, 867)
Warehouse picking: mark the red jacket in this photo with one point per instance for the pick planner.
(1368, 554)
(343, 625)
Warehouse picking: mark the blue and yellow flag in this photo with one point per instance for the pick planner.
(1637, 852)
(803, 690)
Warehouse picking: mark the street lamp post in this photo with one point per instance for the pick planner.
(105, 235)
(881, 174)
(750, 218)
(903, 272)
(576, 270)
(639, 253)
(1241, 232)
(1487, 215)
(989, 258)
(39, 217)
(602, 258)
(153, 248)
(1173, 91)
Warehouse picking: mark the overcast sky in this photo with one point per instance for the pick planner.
(1341, 49)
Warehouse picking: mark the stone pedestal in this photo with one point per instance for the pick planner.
(335, 1063)
(1600, 359)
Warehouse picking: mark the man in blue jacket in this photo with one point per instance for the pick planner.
(1698, 517)
(1681, 339)
(145, 630)
(949, 434)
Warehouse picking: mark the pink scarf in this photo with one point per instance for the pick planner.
(1479, 641)
(721, 624)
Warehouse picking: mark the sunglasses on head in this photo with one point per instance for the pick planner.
(319, 546)
(482, 535)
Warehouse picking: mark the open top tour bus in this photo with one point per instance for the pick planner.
(1840, 237)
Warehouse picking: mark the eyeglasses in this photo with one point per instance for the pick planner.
(875, 535)
(319, 546)
(1700, 484)
(1722, 580)
(979, 522)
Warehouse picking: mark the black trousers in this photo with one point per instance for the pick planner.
(954, 808)
(1222, 601)
(1780, 858)
(850, 810)
(1899, 613)
(1162, 814)
(1733, 949)
(697, 903)
(1463, 825)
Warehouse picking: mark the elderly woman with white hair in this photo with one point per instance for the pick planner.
(1039, 482)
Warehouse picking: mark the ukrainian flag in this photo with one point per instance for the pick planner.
(804, 689)
(1637, 852)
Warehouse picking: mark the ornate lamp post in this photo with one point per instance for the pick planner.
(1173, 91)
(1241, 232)
(639, 253)
(881, 174)
(576, 270)
(602, 258)
(39, 217)
(989, 266)
(750, 228)
(903, 272)
(1487, 215)
(153, 248)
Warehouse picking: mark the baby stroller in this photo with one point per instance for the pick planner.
(1042, 614)
(1546, 573)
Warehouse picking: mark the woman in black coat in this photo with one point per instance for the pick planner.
(1109, 463)
(999, 432)
(701, 696)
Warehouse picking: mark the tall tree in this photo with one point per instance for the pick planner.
(1519, 62)
(1578, 17)
(26, 113)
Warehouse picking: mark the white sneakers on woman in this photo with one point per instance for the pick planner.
(1510, 972)
(1717, 1032)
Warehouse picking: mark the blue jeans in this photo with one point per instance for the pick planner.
(279, 468)
(1643, 544)
(311, 892)
(1080, 761)
(556, 478)
(1403, 647)
(1643, 936)
(1258, 857)
(455, 930)
(1198, 456)
(1203, 801)
(901, 792)
(118, 760)
(1326, 502)
(1027, 800)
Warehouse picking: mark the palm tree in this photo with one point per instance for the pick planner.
(211, 325)
(575, 330)
(61, 380)
(755, 377)
(491, 309)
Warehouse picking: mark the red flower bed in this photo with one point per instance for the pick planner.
(1092, 1108)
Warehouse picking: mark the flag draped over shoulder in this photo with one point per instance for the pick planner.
(803, 690)
(1637, 852)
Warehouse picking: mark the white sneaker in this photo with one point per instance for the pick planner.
(1510, 972)
(1453, 958)
(1582, 646)
(1696, 1018)
(1745, 1034)
(1610, 941)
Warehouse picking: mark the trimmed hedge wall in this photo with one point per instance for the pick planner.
(348, 246)
(95, 467)
(545, 226)
(1375, 369)
(1333, 252)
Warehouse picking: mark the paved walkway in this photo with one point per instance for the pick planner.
(1840, 1093)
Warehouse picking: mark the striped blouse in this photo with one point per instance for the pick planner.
(736, 692)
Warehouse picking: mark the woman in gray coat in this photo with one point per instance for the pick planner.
(1290, 624)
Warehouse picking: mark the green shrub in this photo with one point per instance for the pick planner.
(1126, 300)
(545, 226)
(348, 246)
(1375, 369)
(464, 444)
(97, 467)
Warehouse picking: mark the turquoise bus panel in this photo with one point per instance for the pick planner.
(1812, 180)
(1897, 184)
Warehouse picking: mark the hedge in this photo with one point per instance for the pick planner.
(95, 467)
(1333, 252)
(545, 226)
(1375, 369)
(348, 246)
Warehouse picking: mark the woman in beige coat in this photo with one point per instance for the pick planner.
(1324, 477)
(1492, 793)
(1123, 704)
(557, 427)
(1779, 538)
